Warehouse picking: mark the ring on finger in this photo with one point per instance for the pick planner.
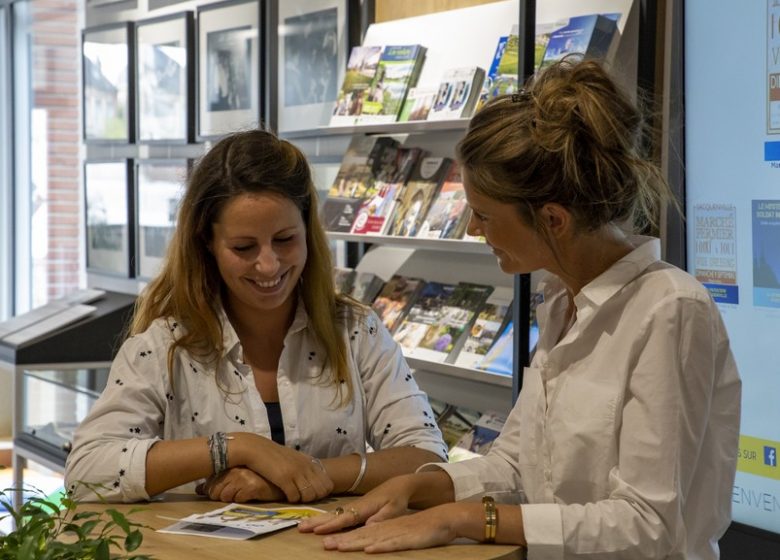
(338, 511)
(355, 514)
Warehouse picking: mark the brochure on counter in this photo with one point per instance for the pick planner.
(240, 521)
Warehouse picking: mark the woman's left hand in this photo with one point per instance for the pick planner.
(431, 527)
(240, 484)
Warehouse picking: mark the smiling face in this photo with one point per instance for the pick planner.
(517, 246)
(259, 244)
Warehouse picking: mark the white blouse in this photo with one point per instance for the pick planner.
(140, 406)
(623, 443)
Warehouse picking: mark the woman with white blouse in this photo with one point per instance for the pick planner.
(623, 443)
(243, 369)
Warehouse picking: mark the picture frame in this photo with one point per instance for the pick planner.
(230, 68)
(312, 46)
(108, 209)
(159, 188)
(108, 102)
(164, 77)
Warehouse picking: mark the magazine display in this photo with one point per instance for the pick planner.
(501, 78)
(590, 35)
(543, 33)
(438, 407)
(500, 357)
(343, 279)
(456, 317)
(490, 76)
(418, 194)
(373, 217)
(361, 68)
(396, 298)
(397, 71)
(363, 161)
(486, 327)
(479, 439)
(505, 80)
(366, 287)
(425, 313)
(418, 104)
(454, 422)
(457, 94)
(449, 214)
(240, 521)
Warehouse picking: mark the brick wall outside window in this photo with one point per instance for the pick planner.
(55, 53)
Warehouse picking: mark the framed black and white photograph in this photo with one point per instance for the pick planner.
(229, 67)
(108, 211)
(160, 185)
(164, 79)
(312, 49)
(108, 103)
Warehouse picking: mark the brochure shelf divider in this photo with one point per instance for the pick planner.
(446, 245)
(411, 127)
(460, 372)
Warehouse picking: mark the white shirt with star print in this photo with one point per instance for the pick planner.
(140, 407)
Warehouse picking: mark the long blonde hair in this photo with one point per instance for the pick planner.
(189, 287)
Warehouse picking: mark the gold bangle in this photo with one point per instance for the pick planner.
(491, 519)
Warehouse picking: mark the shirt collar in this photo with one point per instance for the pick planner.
(647, 250)
(230, 341)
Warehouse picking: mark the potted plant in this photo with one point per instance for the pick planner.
(49, 529)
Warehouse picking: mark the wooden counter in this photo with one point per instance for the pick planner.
(287, 543)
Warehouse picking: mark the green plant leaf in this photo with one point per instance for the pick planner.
(119, 519)
(28, 547)
(133, 541)
(102, 552)
(85, 515)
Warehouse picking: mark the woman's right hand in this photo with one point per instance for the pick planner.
(297, 475)
(389, 499)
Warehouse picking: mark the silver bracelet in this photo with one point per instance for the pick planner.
(218, 451)
(361, 473)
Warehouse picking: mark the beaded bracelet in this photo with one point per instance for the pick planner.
(361, 473)
(491, 519)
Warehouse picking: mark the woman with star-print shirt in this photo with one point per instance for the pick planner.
(243, 369)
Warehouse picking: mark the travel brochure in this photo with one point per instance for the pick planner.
(240, 521)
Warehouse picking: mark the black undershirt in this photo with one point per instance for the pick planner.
(275, 421)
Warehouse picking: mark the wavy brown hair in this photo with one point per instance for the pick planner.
(571, 137)
(188, 288)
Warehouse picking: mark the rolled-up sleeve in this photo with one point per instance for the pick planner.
(397, 411)
(110, 445)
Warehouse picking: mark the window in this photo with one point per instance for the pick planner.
(6, 195)
(49, 253)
